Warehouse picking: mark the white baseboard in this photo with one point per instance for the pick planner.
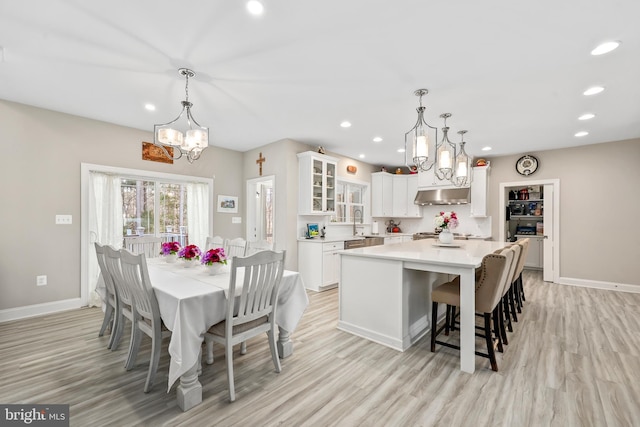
(39, 309)
(611, 286)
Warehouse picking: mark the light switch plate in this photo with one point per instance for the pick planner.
(41, 280)
(64, 219)
(236, 220)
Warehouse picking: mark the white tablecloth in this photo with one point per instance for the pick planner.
(191, 301)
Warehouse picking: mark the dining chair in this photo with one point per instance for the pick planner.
(148, 245)
(235, 247)
(493, 279)
(214, 242)
(251, 307)
(257, 246)
(124, 297)
(146, 313)
(110, 300)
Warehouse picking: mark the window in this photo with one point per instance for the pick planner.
(350, 201)
(144, 213)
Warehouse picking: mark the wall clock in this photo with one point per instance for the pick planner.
(526, 165)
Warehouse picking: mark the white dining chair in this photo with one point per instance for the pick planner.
(124, 297)
(214, 242)
(257, 246)
(147, 245)
(251, 307)
(110, 299)
(146, 313)
(235, 247)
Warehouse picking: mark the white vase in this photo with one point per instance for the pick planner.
(215, 268)
(188, 263)
(446, 236)
(171, 258)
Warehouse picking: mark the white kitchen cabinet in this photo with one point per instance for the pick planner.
(319, 264)
(381, 194)
(479, 187)
(428, 180)
(317, 183)
(535, 253)
(393, 195)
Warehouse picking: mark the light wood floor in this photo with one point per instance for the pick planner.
(573, 360)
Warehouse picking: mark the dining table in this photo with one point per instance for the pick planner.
(191, 301)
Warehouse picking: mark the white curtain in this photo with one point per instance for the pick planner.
(105, 223)
(198, 213)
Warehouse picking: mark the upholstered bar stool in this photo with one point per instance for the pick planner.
(489, 289)
(518, 287)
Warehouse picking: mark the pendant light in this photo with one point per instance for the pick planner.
(421, 138)
(462, 168)
(445, 153)
(182, 136)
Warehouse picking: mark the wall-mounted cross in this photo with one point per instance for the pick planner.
(260, 161)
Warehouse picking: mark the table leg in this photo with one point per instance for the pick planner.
(467, 321)
(189, 392)
(285, 346)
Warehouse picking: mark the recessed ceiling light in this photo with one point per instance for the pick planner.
(586, 116)
(150, 107)
(345, 124)
(255, 7)
(400, 150)
(486, 148)
(361, 156)
(581, 133)
(605, 47)
(593, 90)
(377, 139)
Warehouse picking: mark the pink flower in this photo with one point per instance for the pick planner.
(170, 248)
(214, 255)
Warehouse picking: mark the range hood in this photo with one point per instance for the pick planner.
(450, 196)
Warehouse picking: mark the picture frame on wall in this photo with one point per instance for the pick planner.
(227, 204)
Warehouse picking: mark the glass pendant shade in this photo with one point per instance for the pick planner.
(183, 135)
(462, 175)
(420, 138)
(445, 153)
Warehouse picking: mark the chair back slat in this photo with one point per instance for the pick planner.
(214, 242)
(106, 275)
(115, 269)
(262, 276)
(147, 245)
(235, 247)
(136, 275)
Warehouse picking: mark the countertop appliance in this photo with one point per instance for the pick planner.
(526, 230)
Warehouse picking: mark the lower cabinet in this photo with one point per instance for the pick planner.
(319, 264)
(535, 257)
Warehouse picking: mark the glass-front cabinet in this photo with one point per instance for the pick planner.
(317, 174)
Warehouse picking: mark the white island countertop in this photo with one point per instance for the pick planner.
(469, 253)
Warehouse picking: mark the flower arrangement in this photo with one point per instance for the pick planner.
(169, 248)
(213, 256)
(189, 253)
(446, 220)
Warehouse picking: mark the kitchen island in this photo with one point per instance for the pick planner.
(385, 291)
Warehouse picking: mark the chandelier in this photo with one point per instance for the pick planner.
(182, 136)
(448, 163)
(420, 138)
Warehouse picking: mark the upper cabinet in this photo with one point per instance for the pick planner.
(479, 188)
(393, 195)
(317, 176)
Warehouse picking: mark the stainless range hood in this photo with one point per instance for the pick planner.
(450, 196)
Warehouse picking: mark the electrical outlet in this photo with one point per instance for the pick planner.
(41, 280)
(236, 220)
(64, 219)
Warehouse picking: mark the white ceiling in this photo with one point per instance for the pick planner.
(512, 73)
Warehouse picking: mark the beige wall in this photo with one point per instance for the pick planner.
(42, 153)
(599, 207)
